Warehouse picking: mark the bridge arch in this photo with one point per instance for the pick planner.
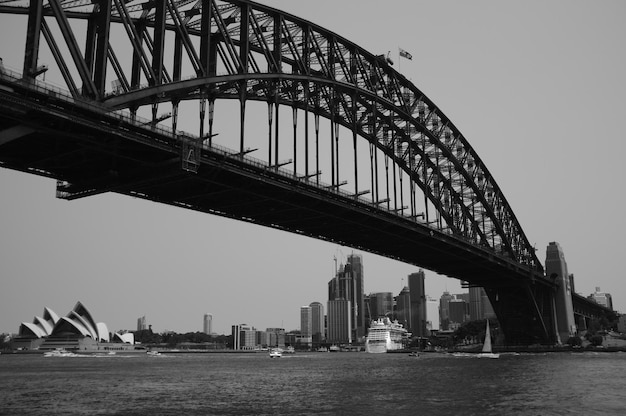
(213, 50)
(255, 52)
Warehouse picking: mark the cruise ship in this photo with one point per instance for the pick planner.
(385, 335)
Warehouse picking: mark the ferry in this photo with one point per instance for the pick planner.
(385, 335)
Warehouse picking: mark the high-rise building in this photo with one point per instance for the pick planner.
(339, 322)
(418, 303)
(208, 323)
(432, 314)
(306, 325)
(444, 310)
(479, 304)
(368, 310)
(348, 285)
(318, 329)
(403, 307)
(602, 298)
(458, 311)
(306, 321)
(381, 304)
(475, 303)
(141, 324)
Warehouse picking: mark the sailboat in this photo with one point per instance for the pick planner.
(487, 352)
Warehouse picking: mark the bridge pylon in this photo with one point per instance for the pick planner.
(556, 270)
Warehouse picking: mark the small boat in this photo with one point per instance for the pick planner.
(153, 353)
(276, 353)
(59, 353)
(414, 354)
(487, 352)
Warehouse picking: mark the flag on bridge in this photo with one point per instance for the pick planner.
(405, 54)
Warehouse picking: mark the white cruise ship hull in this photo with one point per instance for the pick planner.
(385, 336)
(375, 347)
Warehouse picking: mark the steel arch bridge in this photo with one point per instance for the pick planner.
(379, 167)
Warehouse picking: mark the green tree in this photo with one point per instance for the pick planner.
(596, 340)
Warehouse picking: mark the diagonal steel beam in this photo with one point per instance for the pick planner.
(33, 31)
(89, 88)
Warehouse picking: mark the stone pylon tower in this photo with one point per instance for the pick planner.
(556, 269)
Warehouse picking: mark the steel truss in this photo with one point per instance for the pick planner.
(237, 49)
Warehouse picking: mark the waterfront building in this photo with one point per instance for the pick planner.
(602, 298)
(318, 328)
(244, 337)
(263, 339)
(75, 331)
(418, 303)
(339, 321)
(208, 323)
(276, 337)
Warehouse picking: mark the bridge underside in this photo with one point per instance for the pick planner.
(91, 155)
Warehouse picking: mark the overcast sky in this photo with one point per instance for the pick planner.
(536, 87)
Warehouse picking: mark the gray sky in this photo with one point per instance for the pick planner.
(536, 87)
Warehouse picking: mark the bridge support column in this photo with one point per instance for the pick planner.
(525, 313)
(556, 269)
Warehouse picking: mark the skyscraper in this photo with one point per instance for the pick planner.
(444, 310)
(306, 324)
(348, 285)
(432, 314)
(339, 322)
(479, 304)
(141, 323)
(457, 311)
(381, 304)
(418, 303)
(403, 307)
(208, 324)
(317, 322)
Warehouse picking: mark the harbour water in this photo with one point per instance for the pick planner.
(314, 384)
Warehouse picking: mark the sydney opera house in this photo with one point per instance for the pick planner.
(77, 331)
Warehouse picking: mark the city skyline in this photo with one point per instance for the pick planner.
(531, 102)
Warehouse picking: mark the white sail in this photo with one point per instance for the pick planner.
(487, 343)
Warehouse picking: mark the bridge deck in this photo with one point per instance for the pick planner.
(92, 152)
